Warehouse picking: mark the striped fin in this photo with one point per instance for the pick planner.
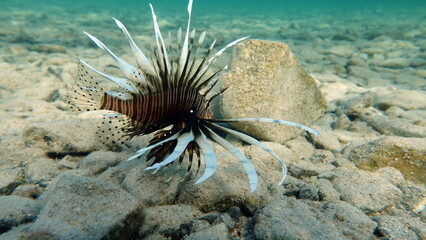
(198, 47)
(255, 142)
(212, 79)
(208, 154)
(122, 82)
(251, 172)
(269, 120)
(185, 71)
(218, 53)
(140, 152)
(142, 61)
(196, 77)
(162, 51)
(129, 71)
(182, 142)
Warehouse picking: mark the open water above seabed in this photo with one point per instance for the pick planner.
(368, 59)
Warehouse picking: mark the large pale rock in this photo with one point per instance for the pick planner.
(16, 210)
(405, 154)
(266, 80)
(394, 126)
(401, 226)
(77, 207)
(405, 99)
(10, 178)
(365, 190)
(168, 218)
(288, 218)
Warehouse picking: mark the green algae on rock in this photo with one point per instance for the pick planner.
(405, 154)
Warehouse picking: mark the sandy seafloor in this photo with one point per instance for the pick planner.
(368, 61)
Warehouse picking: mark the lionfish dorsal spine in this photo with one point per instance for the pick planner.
(142, 61)
(184, 52)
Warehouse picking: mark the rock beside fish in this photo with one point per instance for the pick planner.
(267, 80)
(405, 154)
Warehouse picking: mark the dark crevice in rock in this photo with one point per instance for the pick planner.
(177, 234)
(211, 218)
(60, 155)
(249, 229)
(379, 233)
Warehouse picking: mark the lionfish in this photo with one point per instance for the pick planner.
(169, 93)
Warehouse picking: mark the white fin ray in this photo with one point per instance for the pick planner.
(201, 39)
(270, 120)
(162, 51)
(182, 142)
(179, 38)
(251, 172)
(218, 53)
(255, 142)
(184, 52)
(129, 71)
(140, 152)
(208, 154)
(120, 95)
(122, 82)
(143, 62)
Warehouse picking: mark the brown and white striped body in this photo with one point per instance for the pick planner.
(155, 111)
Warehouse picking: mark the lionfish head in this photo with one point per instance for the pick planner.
(167, 92)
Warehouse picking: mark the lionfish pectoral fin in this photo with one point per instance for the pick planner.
(143, 62)
(208, 154)
(182, 142)
(269, 120)
(251, 172)
(255, 142)
(140, 152)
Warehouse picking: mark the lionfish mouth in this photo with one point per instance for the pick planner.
(168, 92)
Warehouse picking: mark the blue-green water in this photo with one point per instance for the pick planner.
(59, 15)
(309, 27)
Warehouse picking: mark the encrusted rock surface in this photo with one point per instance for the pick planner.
(303, 221)
(16, 210)
(405, 154)
(77, 207)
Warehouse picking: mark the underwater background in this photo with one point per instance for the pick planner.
(363, 177)
(308, 27)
